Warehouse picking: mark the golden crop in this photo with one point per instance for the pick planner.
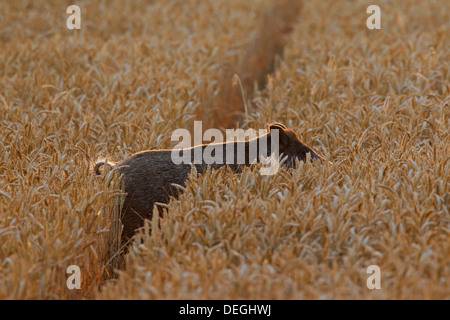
(374, 102)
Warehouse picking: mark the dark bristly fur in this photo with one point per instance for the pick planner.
(149, 176)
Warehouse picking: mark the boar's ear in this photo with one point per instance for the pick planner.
(283, 137)
(277, 124)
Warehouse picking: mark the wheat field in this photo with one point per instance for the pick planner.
(373, 102)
